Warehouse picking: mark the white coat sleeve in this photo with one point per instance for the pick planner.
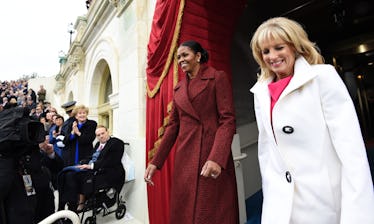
(357, 202)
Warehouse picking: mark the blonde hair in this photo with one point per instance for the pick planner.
(80, 107)
(290, 31)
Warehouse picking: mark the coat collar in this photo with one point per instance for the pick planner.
(106, 146)
(303, 73)
(181, 96)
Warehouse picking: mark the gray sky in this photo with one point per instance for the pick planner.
(32, 35)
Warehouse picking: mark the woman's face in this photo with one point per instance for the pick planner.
(279, 57)
(81, 116)
(59, 122)
(188, 60)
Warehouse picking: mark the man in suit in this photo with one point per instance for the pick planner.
(106, 159)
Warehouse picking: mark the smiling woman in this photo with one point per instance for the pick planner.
(202, 120)
(279, 56)
(34, 33)
(296, 96)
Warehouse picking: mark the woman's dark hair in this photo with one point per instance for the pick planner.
(196, 47)
(57, 116)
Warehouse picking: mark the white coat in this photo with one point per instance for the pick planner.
(313, 161)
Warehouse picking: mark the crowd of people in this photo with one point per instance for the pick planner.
(43, 167)
(18, 91)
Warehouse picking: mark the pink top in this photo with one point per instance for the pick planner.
(276, 89)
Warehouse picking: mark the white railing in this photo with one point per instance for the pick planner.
(61, 215)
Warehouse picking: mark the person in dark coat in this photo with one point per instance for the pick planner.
(202, 121)
(41, 94)
(31, 204)
(106, 159)
(68, 107)
(79, 137)
(32, 94)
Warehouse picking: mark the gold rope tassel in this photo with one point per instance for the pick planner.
(152, 93)
(161, 131)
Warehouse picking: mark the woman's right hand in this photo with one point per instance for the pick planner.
(149, 174)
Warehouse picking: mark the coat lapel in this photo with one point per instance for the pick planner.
(260, 89)
(302, 74)
(104, 150)
(181, 99)
(204, 75)
(181, 90)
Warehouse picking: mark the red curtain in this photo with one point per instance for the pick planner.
(209, 22)
(159, 91)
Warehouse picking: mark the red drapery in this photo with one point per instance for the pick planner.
(211, 23)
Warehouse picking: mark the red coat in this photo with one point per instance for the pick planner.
(203, 121)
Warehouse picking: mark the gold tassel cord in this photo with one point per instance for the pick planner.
(161, 131)
(152, 93)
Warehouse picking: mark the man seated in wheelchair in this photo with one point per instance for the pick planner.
(103, 170)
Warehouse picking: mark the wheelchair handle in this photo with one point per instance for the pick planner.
(60, 215)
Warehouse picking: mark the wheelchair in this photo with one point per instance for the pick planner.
(103, 200)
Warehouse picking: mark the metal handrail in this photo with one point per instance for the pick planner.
(240, 157)
(61, 215)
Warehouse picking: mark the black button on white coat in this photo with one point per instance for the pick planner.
(287, 129)
(288, 177)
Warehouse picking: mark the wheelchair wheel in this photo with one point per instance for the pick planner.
(90, 220)
(121, 211)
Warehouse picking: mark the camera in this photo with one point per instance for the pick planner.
(17, 127)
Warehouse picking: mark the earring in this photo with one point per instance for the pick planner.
(198, 60)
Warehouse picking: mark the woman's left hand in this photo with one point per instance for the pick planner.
(84, 166)
(211, 169)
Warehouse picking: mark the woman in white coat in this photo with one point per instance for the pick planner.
(312, 156)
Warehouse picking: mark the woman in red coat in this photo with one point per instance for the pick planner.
(203, 120)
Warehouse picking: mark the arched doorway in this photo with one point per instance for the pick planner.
(105, 89)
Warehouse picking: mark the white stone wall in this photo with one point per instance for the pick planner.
(119, 40)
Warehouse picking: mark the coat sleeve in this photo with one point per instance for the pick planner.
(263, 143)
(55, 165)
(221, 149)
(88, 133)
(168, 139)
(67, 141)
(357, 203)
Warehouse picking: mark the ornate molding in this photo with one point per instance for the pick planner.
(76, 57)
(114, 2)
(121, 5)
(60, 83)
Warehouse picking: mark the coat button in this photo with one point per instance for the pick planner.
(287, 129)
(288, 177)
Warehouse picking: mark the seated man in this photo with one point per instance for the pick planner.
(76, 181)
